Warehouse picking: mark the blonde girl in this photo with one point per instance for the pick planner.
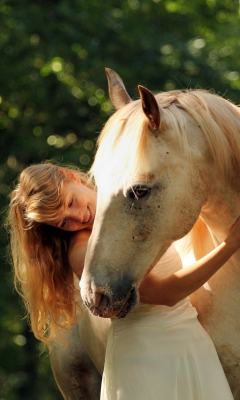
(43, 275)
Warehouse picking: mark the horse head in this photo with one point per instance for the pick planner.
(152, 170)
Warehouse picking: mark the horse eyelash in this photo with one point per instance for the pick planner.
(136, 197)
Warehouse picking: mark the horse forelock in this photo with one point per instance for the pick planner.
(125, 143)
(122, 147)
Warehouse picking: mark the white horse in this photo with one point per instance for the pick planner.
(166, 165)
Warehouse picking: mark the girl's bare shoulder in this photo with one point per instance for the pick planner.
(77, 250)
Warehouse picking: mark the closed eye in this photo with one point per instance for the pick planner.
(71, 203)
(137, 192)
(63, 224)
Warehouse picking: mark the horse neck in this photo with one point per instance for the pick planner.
(219, 213)
(221, 209)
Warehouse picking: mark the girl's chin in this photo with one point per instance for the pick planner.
(87, 226)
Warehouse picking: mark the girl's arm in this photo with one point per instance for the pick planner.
(169, 291)
(77, 250)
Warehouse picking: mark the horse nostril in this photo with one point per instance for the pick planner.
(102, 302)
(100, 305)
(99, 299)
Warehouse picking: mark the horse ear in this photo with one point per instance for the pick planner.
(117, 90)
(150, 108)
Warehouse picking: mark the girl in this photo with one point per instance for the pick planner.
(51, 215)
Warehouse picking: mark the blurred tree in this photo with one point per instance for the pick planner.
(54, 101)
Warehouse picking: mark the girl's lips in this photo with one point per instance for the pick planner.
(89, 217)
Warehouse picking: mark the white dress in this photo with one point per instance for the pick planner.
(162, 353)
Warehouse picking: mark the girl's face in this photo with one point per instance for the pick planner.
(79, 207)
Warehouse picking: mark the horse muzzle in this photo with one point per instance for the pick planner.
(107, 302)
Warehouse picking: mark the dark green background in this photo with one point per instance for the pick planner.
(54, 101)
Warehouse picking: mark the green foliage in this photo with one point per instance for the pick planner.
(54, 101)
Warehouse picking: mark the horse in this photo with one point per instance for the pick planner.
(166, 166)
(167, 170)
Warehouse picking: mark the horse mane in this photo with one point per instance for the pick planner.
(125, 140)
(219, 122)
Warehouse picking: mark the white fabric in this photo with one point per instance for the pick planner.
(162, 353)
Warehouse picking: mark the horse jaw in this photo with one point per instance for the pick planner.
(221, 209)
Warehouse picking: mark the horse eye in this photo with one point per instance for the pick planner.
(138, 192)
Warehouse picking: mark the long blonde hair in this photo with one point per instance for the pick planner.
(43, 275)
